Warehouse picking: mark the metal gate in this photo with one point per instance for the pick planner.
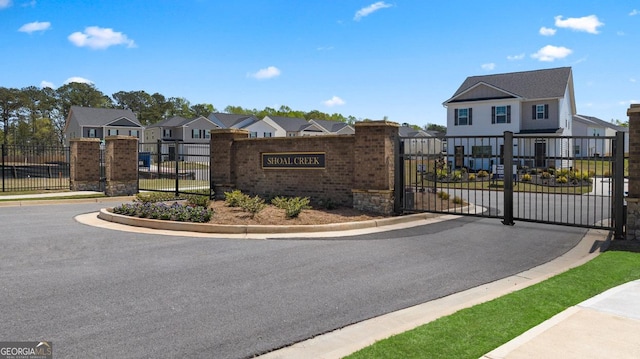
(573, 181)
(175, 166)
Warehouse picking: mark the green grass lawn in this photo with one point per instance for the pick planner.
(169, 184)
(499, 186)
(473, 332)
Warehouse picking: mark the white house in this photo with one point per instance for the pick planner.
(334, 127)
(292, 127)
(539, 104)
(419, 142)
(591, 131)
(191, 132)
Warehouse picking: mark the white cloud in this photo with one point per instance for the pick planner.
(45, 84)
(632, 80)
(100, 38)
(515, 57)
(5, 4)
(550, 53)
(634, 12)
(264, 74)
(78, 79)
(628, 102)
(588, 24)
(620, 33)
(545, 31)
(334, 101)
(366, 11)
(488, 67)
(35, 26)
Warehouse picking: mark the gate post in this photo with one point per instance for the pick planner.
(508, 178)
(633, 198)
(121, 166)
(618, 185)
(84, 157)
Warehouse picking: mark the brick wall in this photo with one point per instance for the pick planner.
(121, 165)
(85, 164)
(360, 164)
(633, 199)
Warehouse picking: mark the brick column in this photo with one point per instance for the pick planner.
(374, 170)
(121, 165)
(633, 199)
(85, 164)
(222, 170)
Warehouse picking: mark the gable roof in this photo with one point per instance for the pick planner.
(229, 120)
(331, 126)
(90, 116)
(174, 121)
(290, 124)
(407, 131)
(598, 122)
(528, 85)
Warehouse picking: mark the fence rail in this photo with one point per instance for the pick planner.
(574, 181)
(174, 166)
(33, 168)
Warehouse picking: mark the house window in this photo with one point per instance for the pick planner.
(113, 132)
(481, 151)
(540, 112)
(133, 133)
(268, 134)
(500, 114)
(576, 150)
(92, 133)
(291, 134)
(195, 133)
(462, 117)
(166, 133)
(206, 134)
(253, 134)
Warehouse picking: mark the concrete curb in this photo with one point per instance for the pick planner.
(107, 215)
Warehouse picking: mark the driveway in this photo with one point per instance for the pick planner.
(101, 293)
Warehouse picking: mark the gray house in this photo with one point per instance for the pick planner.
(182, 129)
(228, 120)
(89, 122)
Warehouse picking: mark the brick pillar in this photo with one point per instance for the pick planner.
(374, 170)
(121, 166)
(85, 164)
(222, 159)
(633, 199)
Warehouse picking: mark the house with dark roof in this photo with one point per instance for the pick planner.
(179, 128)
(418, 142)
(589, 132)
(529, 103)
(89, 122)
(292, 127)
(229, 120)
(334, 127)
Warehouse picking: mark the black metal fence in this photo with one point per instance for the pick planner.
(174, 166)
(575, 181)
(34, 168)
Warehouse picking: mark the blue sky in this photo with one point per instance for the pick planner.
(369, 59)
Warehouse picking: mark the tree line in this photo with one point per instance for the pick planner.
(37, 116)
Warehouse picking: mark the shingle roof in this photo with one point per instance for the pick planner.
(174, 121)
(90, 116)
(547, 83)
(290, 124)
(406, 131)
(230, 120)
(599, 122)
(331, 126)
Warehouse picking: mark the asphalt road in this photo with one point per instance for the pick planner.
(101, 293)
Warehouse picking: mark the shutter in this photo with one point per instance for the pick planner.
(493, 114)
(509, 114)
(470, 118)
(455, 117)
(533, 112)
(546, 111)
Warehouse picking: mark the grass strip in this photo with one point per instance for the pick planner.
(475, 331)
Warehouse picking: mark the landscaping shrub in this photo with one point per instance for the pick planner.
(525, 177)
(456, 175)
(174, 212)
(562, 179)
(546, 175)
(235, 198)
(195, 200)
(152, 197)
(292, 206)
(441, 173)
(253, 205)
(472, 177)
(443, 195)
(457, 200)
(483, 173)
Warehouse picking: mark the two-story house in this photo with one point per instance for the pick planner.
(187, 134)
(538, 103)
(292, 127)
(89, 122)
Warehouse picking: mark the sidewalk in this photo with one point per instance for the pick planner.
(605, 326)
(48, 195)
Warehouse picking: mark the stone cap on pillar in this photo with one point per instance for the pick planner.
(229, 130)
(376, 123)
(84, 139)
(633, 109)
(120, 137)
